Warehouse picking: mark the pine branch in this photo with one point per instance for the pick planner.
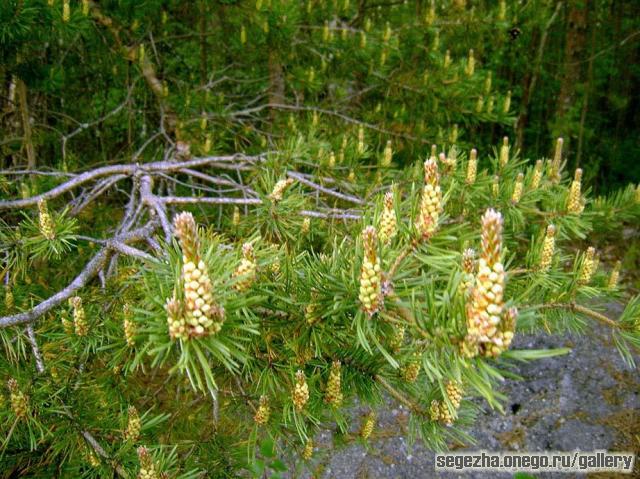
(90, 270)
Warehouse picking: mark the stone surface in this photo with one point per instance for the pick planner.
(588, 399)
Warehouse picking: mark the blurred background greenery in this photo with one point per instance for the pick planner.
(85, 82)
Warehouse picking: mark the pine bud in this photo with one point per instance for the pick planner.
(554, 174)
(411, 371)
(504, 152)
(85, 7)
(361, 145)
(235, 219)
(491, 104)
(79, 316)
(517, 189)
(66, 11)
(495, 186)
(147, 467)
(129, 326)
(333, 394)
(548, 248)
(588, 266)
(388, 154)
(307, 452)
(246, 271)
(537, 175)
(471, 64)
(279, 189)
(453, 136)
(47, 227)
(363, 40)
(352, 176)
(480, 104)
(507, 103)
(263, 413)
(487, 84)
(134, 424)
(370, 273)
(207, 144)
(19, 401)
(431, 200)
(306, 226)
(387, 224)
(386, 36)
(187, 232)
(141, 54)
(615, 276)
(447, 60)
(300, 395)
(502, 11)
(367, 425)
(574, 201)
(430, 15)
(243, 35)
(472, 167)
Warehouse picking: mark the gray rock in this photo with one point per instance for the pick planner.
(586, 400)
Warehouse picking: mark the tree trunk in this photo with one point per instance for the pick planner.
(575, 52)
(27, 141)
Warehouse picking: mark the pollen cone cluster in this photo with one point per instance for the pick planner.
(388, 154)
(19, 401)
(79, 316)
(263, 412)
(615, 276)
(574, 201)
(47, 228)
(279, 189)
(300, 393)
(517, 189)
(388, 223)
(367, 425)
(333, 394)
(548, 248)
(489, 326)
(245, 273)
(472, 167)
(556, 163)
(147, 467)
(397, 337)
(307, 452)
(439, 411)
(412, 369)
(504, 152)
(589, 266)
(431, 200)
(370, 273)
(537, 175)
(198, 315)
(134, 424)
